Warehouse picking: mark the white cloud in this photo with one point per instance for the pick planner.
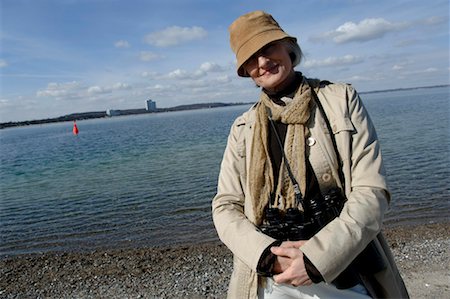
(121, 86)
(210, 67)
(159, 87)
(175, 35)
(97, 90)
(93, 90)
(122, 44)
(3, 63)
(60, 90)
(198, 74)
(367, 29)
(223, 79)
(148, 56)
(333, 61)
(398, 67)
(157, 91)
(202, 71)
(75, 90)
(178, 74)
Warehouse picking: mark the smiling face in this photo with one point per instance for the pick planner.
(271, 67)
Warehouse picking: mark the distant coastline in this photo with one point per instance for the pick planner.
(403, 89)
(102, 114)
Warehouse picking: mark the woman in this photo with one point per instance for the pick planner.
(304, 142)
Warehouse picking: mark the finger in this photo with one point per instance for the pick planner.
(297, 283)
(286, 252)
(301, 281)
(308, 282)
(295, 275)
(287, 277)
(282, 278)
(281, 264)
(297, 244)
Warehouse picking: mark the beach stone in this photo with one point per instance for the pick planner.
(198, 271)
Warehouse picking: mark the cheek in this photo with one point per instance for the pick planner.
(255, 76)
(252, 71)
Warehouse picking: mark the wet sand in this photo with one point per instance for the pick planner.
(201, 271)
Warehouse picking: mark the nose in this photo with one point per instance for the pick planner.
(262, 61)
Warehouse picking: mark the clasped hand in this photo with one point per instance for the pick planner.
(289, 267)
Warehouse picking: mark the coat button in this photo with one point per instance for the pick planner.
(311, 141)
(326, 177)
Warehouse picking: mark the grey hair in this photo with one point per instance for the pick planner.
(294, 51)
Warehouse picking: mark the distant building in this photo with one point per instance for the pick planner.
(150, 105)
(111, 112)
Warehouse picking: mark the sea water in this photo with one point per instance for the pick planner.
(148, 180)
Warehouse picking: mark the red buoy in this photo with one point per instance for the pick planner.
(75, 128)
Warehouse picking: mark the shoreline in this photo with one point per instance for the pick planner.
(117, 112)
(198, 271)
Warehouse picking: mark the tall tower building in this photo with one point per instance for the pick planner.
(150, 105)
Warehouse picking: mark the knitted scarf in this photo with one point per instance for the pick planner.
(295, 114)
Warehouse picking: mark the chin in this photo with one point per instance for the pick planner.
(272, 83)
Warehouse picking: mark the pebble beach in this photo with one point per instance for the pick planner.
(199, 271)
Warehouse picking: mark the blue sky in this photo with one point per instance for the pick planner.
(63, 56)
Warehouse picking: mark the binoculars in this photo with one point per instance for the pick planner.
(297, 225)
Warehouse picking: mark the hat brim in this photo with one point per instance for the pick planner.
(255, 44)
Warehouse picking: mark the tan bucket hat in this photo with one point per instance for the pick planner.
(251, 32)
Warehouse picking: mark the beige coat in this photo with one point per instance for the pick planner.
(337, 244)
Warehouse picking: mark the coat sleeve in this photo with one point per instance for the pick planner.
(235, 230)
(334, 247)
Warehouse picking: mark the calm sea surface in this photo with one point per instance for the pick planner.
(148, 180)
